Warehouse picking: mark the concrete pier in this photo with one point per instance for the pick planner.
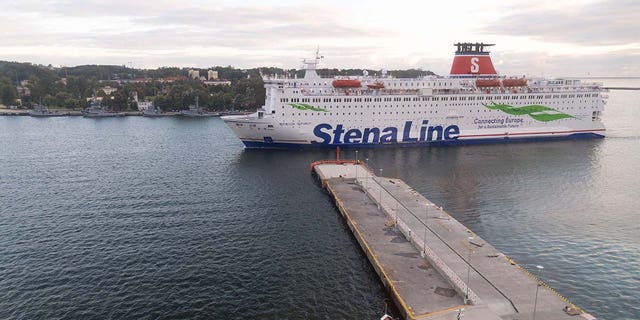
(432, 265)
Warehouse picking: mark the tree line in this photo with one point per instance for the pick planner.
(73, 87)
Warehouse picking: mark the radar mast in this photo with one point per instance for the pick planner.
(310, 66)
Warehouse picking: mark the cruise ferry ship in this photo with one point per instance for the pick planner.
(474, 104)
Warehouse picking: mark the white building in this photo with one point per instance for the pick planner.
(212, 75)
(145, 105)
(194, 74)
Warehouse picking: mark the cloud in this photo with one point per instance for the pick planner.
(91, 8)
(532, 35)
(620, 63)
(179, 28)
(601, 23)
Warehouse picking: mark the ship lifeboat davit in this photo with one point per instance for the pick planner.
(376, 85)
(487, 83)
(514, 82)
(346, 83)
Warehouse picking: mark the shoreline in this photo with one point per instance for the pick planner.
(78, 113)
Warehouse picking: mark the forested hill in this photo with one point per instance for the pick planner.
(169, 87)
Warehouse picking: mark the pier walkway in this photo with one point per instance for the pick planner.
(431, 264)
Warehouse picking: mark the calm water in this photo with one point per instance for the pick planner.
(173, 219)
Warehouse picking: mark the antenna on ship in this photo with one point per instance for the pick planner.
(471, 48)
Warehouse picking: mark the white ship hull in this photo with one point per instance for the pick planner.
(268, 133)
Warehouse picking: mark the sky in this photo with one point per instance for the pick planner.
(534, 38)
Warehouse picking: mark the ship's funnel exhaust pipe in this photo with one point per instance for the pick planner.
(472, 60)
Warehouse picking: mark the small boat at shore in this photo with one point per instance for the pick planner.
(42, 111)
(95, 110)
(152, 112)
(195, 111)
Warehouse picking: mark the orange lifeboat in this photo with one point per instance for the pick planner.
(376, 85)
(487, 83)
(514, 82)
(346, 83)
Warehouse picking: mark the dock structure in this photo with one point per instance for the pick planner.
(432, 265)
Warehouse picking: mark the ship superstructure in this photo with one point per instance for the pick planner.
(472, 105)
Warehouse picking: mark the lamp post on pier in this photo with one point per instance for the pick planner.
(366, 164)
(356, 167)
(466, 297)
(424, 241)
(535, 302)
(380, 185)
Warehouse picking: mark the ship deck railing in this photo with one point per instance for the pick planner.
(449, 91)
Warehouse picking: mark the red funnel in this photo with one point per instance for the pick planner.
(471, 59)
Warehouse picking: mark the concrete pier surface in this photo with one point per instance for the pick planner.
(431, 264)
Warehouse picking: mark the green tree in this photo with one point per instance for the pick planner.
(249, 93)
(118, 101)
(8, 93)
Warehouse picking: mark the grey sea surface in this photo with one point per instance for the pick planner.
(170, 218)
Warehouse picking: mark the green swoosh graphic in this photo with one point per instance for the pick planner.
(535, 111)
(302, 106)
(299, 107)
(312, 108)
